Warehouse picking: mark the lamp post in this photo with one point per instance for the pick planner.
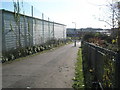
(75, 34)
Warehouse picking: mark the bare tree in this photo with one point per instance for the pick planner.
(110, 15)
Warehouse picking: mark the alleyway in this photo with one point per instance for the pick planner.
(52, 69)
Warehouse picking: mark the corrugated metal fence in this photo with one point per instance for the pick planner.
(30, 31)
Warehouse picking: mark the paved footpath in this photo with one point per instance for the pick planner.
(52, 69)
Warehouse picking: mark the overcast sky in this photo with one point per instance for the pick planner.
(84, 12)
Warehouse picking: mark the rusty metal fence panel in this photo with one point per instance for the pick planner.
(99, 66)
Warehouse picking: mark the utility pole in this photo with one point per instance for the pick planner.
(119, 27)
(53, 31)
(43, 27)
(75, 34)
(113, 17)
(49, 28)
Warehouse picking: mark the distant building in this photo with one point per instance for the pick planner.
(91, 29)
(70, 32)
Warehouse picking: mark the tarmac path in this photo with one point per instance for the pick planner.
(52, 69)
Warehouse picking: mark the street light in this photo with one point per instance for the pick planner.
(75, 34)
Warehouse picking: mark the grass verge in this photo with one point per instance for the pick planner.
(79, 78)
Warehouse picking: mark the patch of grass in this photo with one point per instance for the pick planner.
(79, 78)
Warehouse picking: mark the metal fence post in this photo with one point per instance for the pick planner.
(1, 48)
(117, 79)
(96, 59)
(32, 26)
(3, 35)
(49, 28)
(1, 30)
(43, 26)
(53, 31)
